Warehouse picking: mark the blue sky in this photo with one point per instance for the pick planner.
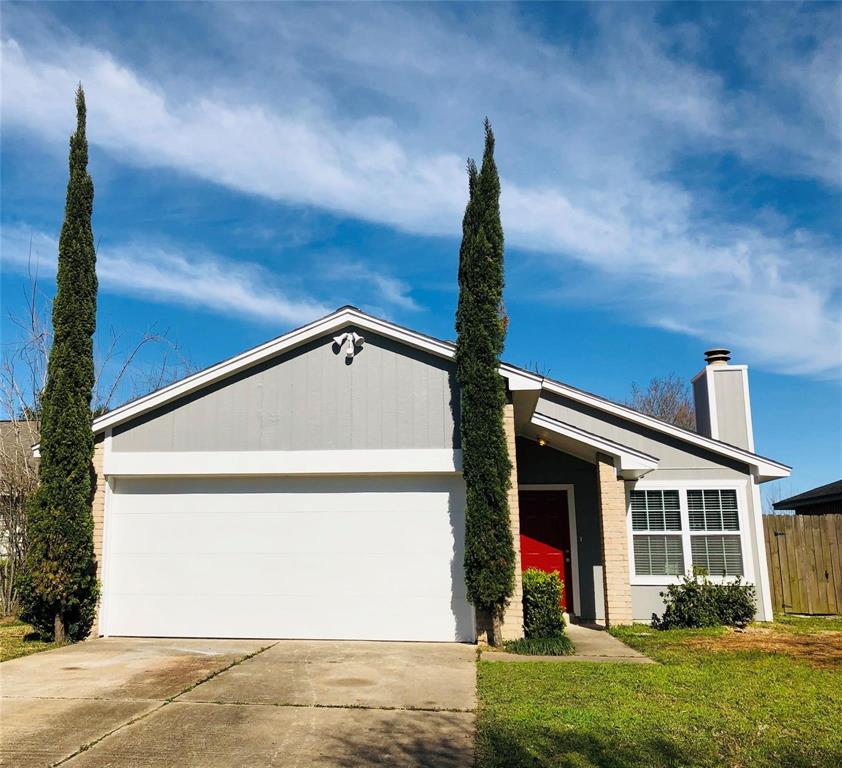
(671, 180)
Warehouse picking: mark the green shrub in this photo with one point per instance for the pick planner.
(696, 602)
(542, 593)
(736, 603)
(541, 646)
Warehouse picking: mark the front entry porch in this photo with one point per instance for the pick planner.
(569, 514)
(548, 535)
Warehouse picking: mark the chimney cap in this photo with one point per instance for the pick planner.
(717, 356)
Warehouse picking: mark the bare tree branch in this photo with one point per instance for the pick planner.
(666, 398)
(23, 374)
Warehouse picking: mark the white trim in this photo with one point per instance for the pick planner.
(631, 460)
(747, 542)
(244, 463)
(569, 488)
(766, 469)
(762, 560)
(518, 379)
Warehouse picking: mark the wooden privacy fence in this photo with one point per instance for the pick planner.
(805, 562)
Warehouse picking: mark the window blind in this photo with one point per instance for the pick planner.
(655, 511)
(713, 510)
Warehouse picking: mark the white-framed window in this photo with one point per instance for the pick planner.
(676, 528)
(656, 529)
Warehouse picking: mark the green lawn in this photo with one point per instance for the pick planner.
(768, 697)
(17, 639)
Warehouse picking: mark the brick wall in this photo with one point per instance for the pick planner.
(513, 617)
(98, 513)
(615, 543)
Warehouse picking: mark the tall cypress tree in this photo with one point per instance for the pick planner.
(480, 328)
(59, 588)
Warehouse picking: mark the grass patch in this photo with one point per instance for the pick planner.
(19, 639)
(805, 624)
(706, 704)
(541, 646)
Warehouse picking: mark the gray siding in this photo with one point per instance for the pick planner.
(702, 405)
(730, 407)
(675, 455)
(646, 600)
(536, 465)
(388, 396)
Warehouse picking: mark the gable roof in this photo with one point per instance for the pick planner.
(517, 378)
(820, 495)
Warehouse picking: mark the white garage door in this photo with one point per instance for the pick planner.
(339, 557)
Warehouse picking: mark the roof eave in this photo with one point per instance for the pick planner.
(517, 378)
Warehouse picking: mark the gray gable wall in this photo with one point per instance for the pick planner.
(388, 396)
(676, 456)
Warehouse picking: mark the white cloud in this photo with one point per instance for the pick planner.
(390, 290)
(368, 115)
(167, 275)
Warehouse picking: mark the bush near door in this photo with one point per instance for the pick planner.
(543, 622)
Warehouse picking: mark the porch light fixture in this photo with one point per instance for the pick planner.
(542, 442)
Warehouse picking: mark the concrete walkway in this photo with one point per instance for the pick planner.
(592, 644)
(126, 702)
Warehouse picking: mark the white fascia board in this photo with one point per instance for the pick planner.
(520, 380)
(423, 461)
(762, 467)
(631, 460)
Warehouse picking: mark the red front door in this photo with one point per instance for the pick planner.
(545, 536)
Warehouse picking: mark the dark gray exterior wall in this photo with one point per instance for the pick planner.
(547, 466)
(388, 396)
(676, 456)
(702, 406)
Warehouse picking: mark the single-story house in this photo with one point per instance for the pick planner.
(824, 500)
(311, 488)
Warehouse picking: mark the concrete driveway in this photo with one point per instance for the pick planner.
(144, 702)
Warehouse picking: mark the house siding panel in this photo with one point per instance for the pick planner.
(730, 407)
(676, 458)
(388, 396)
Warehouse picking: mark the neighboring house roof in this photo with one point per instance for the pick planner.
(518, 379)
(821, 495)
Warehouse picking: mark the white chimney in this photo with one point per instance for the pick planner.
(723, 408)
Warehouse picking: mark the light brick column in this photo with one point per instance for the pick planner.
(513, 617)
(615, 543)
(98, 514)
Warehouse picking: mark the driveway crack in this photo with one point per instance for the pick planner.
(165, 703)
